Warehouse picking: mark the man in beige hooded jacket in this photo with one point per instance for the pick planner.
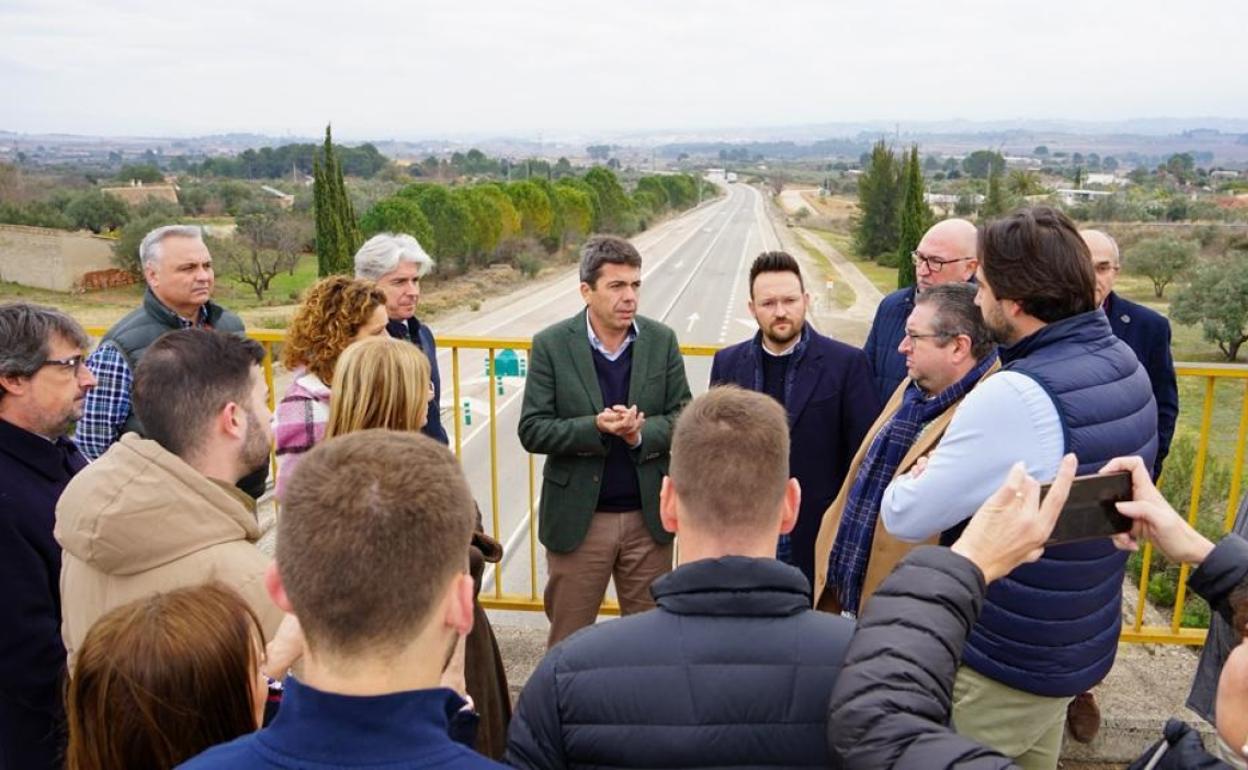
(158, 513)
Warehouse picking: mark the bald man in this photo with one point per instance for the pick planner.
(946, 254)
(1145, 330)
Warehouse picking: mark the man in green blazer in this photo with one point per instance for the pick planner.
(603, 391)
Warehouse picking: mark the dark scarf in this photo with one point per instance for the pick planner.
(847, 564)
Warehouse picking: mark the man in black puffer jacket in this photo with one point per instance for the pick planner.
(734, 667)
(891, 704)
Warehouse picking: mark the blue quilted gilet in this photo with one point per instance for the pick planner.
(1051, 628)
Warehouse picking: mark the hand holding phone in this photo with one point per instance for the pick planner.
(1091, 509)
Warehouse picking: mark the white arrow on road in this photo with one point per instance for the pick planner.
(693, 319)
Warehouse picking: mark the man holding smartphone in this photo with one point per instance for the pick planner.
(1049, 630)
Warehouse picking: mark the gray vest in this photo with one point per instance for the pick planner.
(133, 334)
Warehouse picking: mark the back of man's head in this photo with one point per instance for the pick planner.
(375, 526)
(730, 462)
(185, 379)
(1036, 257)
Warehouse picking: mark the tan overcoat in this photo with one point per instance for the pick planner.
(886, 550)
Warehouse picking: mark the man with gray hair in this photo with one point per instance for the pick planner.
(42, 387)
(603, 390)
(396, 262)
(180, 279)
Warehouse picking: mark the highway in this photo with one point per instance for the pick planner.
(694, 271)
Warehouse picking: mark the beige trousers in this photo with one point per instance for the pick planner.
(617, 545)
(1018, 724)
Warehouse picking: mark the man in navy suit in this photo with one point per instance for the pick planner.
(825, 387)
(1147, 333)
(1145, 330)
(946, 254)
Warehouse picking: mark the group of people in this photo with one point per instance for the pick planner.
(861, 577)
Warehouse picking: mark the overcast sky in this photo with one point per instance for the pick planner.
(565, 68)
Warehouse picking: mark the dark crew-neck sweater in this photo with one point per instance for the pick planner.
(775, 371)
(620, 490)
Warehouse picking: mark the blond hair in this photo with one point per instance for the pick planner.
(380, 382)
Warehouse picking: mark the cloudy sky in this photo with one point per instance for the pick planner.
(420, 69)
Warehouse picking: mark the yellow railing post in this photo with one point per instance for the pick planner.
(459, 442)
(498, 573)
(1198, 480)
(532, 533)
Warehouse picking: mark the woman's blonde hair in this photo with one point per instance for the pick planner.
(331, 315)
(379, 383)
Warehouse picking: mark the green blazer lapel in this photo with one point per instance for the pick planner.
(583, 359)
(642, 350)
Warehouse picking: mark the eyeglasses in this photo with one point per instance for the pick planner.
(933, 264)
(1107, 267)
(73, 362)
(915, 336)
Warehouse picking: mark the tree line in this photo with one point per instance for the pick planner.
(471, 225)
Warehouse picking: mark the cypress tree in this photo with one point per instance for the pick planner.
(875, 230)
(916, 217)
(994, 205)
(337, 233)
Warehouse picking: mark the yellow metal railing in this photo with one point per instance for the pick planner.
(1176, 633)
(496, 598)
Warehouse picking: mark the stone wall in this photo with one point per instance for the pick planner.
(51, 259)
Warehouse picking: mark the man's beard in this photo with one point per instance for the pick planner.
(795, 330)
(255, 454)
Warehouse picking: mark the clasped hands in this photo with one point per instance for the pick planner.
(622, 421)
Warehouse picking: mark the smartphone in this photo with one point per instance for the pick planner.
(1089, 512)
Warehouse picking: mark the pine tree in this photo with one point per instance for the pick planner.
(875, 231)
(337, 233)
(916, 217)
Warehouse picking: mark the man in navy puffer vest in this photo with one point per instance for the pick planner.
(734, 668)
(1049, 630)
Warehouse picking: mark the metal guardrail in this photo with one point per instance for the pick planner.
(496, 598)
(1176, 633)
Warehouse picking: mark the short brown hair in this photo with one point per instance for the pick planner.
(730, 458)
(375, 525)
(601, 249)
(186, 378)
(379, 383)
(1037, 258)
(331, 315)
(775, 262)
(163, 678)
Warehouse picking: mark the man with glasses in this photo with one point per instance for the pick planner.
(948, 351)
(1144, 329)
(946, 254)
(824, 385)
(1147, 332)
(42, 388)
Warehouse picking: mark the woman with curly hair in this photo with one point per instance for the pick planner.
(336, 312)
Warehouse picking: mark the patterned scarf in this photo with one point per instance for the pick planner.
(847, 564)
